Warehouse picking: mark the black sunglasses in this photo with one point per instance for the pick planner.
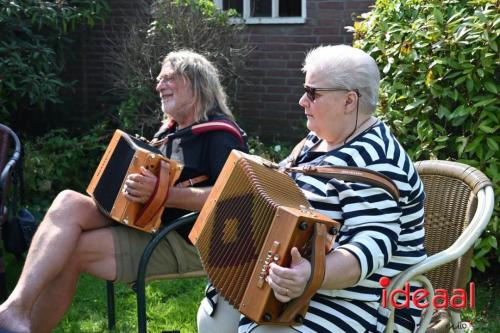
(311, 92)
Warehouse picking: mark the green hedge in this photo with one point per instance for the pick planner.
(439, 91)
(33, 43)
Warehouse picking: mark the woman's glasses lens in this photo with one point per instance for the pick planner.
(310, 92)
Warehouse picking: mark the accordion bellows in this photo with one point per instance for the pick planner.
(124, 156)
(254, 215)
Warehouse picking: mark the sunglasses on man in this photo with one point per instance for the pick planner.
(311, 92)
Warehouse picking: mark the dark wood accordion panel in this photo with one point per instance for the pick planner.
(123, 156)
(237, 218)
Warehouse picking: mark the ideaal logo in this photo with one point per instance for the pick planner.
(441, 299)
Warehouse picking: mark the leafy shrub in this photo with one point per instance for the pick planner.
(34, 33)
(173, 24)
(58, 161)
(439, 92)
(275, 153)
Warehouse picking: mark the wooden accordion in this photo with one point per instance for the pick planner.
(253, 216)
(124, 156)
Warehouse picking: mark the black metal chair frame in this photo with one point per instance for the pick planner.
(140, 284)
(5, 179)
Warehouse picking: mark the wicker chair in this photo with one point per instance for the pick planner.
(459, 204)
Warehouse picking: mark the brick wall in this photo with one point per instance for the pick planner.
(267, 100)
(93, 48)
(267, 103)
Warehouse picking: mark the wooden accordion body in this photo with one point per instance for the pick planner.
(124, 156)
(254, 215)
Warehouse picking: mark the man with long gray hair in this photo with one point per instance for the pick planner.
(75, 237)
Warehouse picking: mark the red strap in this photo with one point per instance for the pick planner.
(156, 202)
(218, 125)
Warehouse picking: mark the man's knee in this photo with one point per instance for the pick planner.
(71, 208)
(69, 204)
(70, 198)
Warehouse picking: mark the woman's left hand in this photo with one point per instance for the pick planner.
(289, 283)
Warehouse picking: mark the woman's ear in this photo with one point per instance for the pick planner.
(351, 101)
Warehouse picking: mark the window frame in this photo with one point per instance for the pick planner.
(274, 19)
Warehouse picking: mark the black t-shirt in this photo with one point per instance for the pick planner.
(200, 154)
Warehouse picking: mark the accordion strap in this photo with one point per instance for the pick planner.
(346, 173)
(351, 174)
(317, 275)
(154, 207)
(192, 181)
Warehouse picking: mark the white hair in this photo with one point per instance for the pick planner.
(343, 66)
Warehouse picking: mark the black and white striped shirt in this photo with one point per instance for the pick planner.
(384, 235)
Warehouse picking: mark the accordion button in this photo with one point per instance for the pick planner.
(299, 319)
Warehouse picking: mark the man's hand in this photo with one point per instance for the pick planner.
(140, 186)
(289, 283)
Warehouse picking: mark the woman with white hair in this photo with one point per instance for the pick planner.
(380, 235)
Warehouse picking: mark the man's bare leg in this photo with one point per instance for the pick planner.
(70, 214)
(94, 255)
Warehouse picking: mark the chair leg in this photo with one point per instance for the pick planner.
(3, 279)
(459, 326)
(110, 291)
(141, 305)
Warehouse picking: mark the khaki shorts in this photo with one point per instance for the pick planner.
(174, 255)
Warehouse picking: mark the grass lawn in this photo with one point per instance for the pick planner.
(172, 305)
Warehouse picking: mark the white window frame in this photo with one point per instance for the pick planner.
(274, 19)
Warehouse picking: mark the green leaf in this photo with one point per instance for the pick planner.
(493, 241)
(484, 102)
(493, 45)
(492, 144)
(443, 112)
(415, 104)
(491, 87)
(441, 139)
(473, 145)
(438, 15)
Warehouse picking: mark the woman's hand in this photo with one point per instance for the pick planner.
(289, 283)
(140, 186)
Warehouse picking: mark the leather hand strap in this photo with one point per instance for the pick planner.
(318, 265)
(154, 207)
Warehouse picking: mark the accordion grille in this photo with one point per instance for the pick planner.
(237, 226)
(112, 177)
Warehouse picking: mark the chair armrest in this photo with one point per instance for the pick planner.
(140, 283)
(457, 249)
(426, 319)
(460, 246)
